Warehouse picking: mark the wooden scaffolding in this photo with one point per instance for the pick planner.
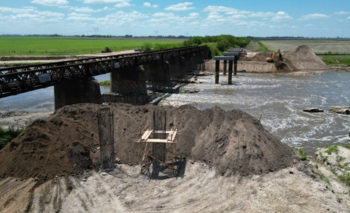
(147, 144)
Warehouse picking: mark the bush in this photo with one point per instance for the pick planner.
(8, 136)
(105, 83)
(147, 47)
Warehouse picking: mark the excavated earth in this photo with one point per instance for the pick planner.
(299, 59)
(67, 142)
(232, 164)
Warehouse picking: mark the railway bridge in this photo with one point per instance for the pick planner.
(73, 82)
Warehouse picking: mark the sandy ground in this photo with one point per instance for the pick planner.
(198, 189)
(23, 60)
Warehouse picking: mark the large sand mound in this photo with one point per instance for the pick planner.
(67, 142)
(302, 58)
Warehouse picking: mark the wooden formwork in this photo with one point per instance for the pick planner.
(147, 143)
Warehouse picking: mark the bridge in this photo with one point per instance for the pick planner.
(129, 73)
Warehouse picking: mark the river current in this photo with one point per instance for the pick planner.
(276, 99)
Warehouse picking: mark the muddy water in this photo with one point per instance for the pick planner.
(278, 100)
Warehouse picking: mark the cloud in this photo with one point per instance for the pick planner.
(123, 4)
(308, 25)
(104, 1)
(147, 4)
(50, 2)
(341, 13)
(348, 17)
(28, 15)
(122, 18)
(180, 7)
(79, 17)
(221, 13)
(314, 16)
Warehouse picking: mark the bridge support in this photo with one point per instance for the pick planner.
(225, 67)
(128, 85)
(217, 71)
(230, 72)
(177, 67)
(77, 91)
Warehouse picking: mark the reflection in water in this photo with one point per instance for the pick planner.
(279, 101)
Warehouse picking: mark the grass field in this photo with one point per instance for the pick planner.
(318, 46)
(336, 59)
(61, 46)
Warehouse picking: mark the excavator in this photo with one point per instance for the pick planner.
(271, 59)
(106, 50)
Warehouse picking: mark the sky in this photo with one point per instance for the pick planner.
(310, 18)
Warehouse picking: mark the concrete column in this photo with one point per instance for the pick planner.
(177, 67)
(77, 91)
(190, 61)
(225, 67)
(158, 71)
(106, 137)
(127, 81)
(230, 63)
(217, 71)
(235, 67)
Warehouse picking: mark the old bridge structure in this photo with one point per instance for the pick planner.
(129, 72)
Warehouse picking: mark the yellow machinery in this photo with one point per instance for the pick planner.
(272, 58)
(106, 50)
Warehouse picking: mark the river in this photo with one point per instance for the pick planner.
(276, 99)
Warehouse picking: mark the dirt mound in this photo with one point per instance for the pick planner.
(303, 58)
(67, 142)
(260, 57)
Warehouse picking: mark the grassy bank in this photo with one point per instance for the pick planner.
(61, 46)
(257, 46)
(217, 44)
(7, 136)
(336, 59)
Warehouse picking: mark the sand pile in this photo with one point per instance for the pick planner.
(302, 58)
(67, 143)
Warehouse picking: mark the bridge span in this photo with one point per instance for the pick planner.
(129, 73)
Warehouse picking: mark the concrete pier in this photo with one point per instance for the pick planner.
(225, 67)
(177, 67)
(129, 81)
(217, 71)
(230, 72)
(77, 91)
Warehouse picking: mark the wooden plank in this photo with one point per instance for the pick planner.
(157, 159)
(159, 132)
(174, 135)
(146, 135)
(155, 141)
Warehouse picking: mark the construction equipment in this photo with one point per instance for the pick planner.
(272, 57)
(106, 50)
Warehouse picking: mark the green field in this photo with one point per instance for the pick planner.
(336, 59)
(61, 46)
(318, 46)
